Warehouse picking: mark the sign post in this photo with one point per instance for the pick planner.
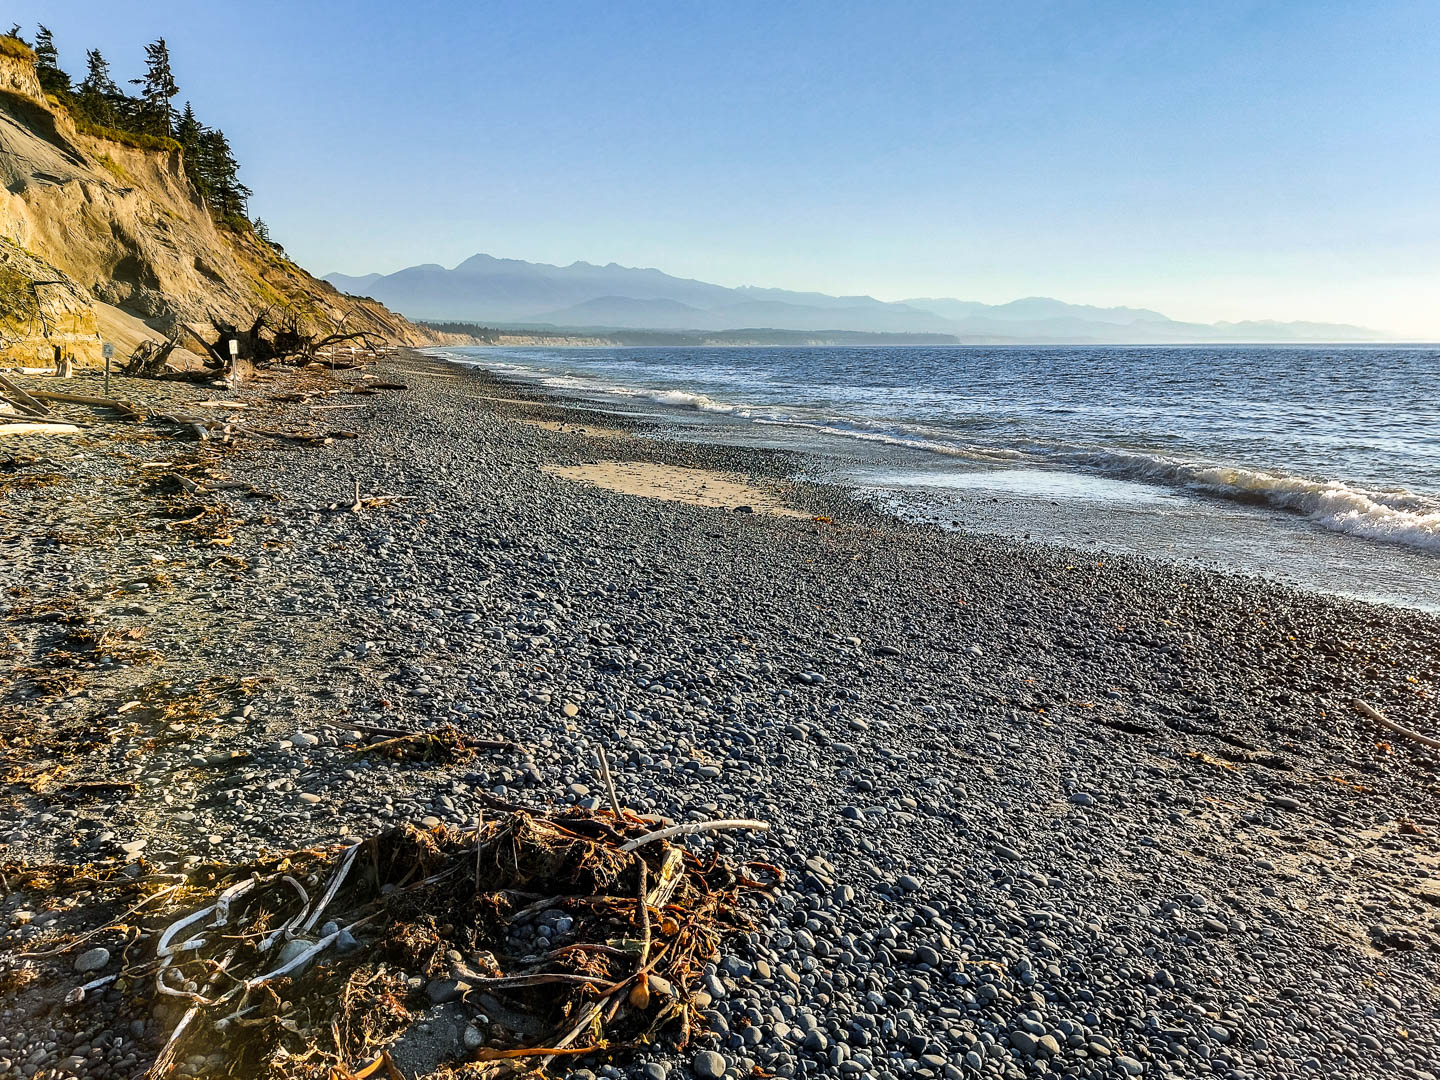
(234, 358)
(107, 350)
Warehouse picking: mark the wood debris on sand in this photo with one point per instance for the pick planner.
(315, 963)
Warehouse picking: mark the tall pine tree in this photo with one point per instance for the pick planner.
(218, 174)
(157, 89)
(98, 79)
(98, 92)
(188, 129)
(189, 133)
(47, 63)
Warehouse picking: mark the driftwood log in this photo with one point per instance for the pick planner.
(22, 399)
(40, 427)
(128, 408)
(1371, 713)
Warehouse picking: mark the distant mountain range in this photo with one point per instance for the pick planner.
(585, 298)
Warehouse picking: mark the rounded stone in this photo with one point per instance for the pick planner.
(926, 955)
(1024, 1042)
(92, 959)
(708, 1065)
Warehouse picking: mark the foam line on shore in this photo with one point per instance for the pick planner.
(1396, 516)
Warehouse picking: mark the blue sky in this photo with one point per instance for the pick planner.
(1222, 160)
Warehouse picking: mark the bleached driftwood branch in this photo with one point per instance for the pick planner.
(689, 828)
(1372, 713)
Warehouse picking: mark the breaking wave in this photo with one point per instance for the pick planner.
(1393, 515)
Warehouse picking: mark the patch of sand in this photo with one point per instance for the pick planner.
(677, 483)
(574, 428)
(40, 427)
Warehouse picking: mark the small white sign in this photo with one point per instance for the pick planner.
(107, 350)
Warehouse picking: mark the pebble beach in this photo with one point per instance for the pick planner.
(1042, 812)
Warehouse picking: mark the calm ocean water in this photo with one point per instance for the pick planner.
(1343, 439)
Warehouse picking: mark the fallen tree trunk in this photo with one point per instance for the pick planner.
(119, 405)
(23, 399)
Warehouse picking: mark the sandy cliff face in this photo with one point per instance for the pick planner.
(134, 248)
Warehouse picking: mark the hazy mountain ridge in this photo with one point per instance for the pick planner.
(584, 295)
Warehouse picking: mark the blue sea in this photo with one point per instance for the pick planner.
(1315, 464)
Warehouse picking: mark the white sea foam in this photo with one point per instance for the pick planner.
(899, 435)
(1394, 515)
(685, 400)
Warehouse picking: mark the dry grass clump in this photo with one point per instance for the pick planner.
(16, 49)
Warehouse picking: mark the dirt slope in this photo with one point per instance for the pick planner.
(118, 245)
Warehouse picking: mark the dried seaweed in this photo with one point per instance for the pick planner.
(444, 745)
(65, 610)
(10, 482)
(626, 937)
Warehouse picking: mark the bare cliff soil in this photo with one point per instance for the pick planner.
(104, 240)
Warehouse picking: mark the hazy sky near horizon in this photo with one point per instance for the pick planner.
(1225, 160)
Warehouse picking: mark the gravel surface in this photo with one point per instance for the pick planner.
(1044, 813)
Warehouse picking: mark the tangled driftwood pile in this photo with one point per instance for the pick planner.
(571, 934)
(25, 405)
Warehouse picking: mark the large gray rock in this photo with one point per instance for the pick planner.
(708, 1065)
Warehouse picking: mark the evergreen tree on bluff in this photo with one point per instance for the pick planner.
(157, 89)
(97, 91)
(220, 170)
(190, 134)
(210, 164)
(188, 130)
(47, 63)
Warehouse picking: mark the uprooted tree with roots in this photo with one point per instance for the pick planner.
(149, 358)
(23, 307)
(283, 338)
(19, 306)
(279, 338)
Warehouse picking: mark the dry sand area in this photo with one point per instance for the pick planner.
(677, 483)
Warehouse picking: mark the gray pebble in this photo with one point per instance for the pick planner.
(92, 959)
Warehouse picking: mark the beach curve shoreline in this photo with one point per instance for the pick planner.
(1044, 812)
